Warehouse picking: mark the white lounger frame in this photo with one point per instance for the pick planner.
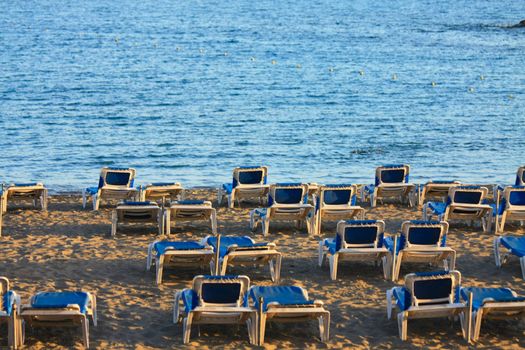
(190, 212)
(174, 257)
(171, 192)
(511, 212)
(501, 256)
(60, 317)
(36, 193)
(242, 191)
(336, 211)
(426, 308)
(462, 211)
(208, 313)
(135, 214)
(14, 333)
(414, 253)
(354, 252)
(283, 212)
(251, 257)
(117, 192)
(294, 314)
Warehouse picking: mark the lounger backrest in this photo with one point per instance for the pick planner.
(221, 290)
(424, 233)
(117, 177)
(4, 287)
(433, 287)
(515, 196)
(392, 174)
(438, 188)
(288, 193)
(337, 195)
(520, 176)
(467, 195)
(250, 175)
(359, 234)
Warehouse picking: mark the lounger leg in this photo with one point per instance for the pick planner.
(213, 219)
(11, 328)
(452, 261)
(522, 263)
(231, 199)
(96, 202)
(477, 316)
(384, 266)
(397, 269)
(402, 322)
(251, 323)
(497, 256)
(501, 227)
(334, 260)
(114, 223)
(262, 328)
(176, 302)
(253, 222)
(424, 211)
(224, 265)
(265, 226)
(219, 196)
(167, 222)
(85, 331)
(324, 327)
(186, 328)
(389, 303)
(277, 268)
(321, 253)
(84, 199)
(159, 268)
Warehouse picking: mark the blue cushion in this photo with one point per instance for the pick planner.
(288, 196)
(190, 299)
(25, 184)
(359, 235)
(227, 188)
(370, 188)
(220, 293)
(8, 302)
(117, 179)
(424, 222)
(392, 176)
(515, 244)
(389, 243)
(134, 203)
(227, 241)
(437, 208)
(498, 210)
(92, 190)
(479, 294)
(160, 184)
(425, 235)
(330, 243)
(162, 246)
(517, 198)
(284, 295)
(51, 300)
(467, 197)
(432, 288)
(361, 222)
(444, 182)
(402, 297)
(190, 202)
(335, 197)
(251, 177)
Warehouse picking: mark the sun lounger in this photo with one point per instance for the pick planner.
(215, 300)
(507, 245)
(114, 183)
(336, 202)
(35, 192)
(9, 308)
(286, 201)
(420, 242)
(391, 181)
(137, 212)
(171, 191)
(243, 251)
(190, 210)
(520, 176)
(463, 203)
(359, 240)
(427, 295)
(493, 303)
(59, 309)
(170, 253)
(511, 207)
(248, 182)
(288, 304)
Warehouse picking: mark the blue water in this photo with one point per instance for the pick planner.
(318, 90)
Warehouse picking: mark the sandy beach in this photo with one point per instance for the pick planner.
(69, 248)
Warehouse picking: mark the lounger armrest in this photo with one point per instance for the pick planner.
(318, 303)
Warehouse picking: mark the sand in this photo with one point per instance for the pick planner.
(68, 247)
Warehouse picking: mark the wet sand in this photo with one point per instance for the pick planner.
(68, 247)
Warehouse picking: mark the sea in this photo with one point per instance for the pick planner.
(319, 91)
